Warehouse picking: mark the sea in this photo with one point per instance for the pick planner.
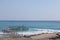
(35, 27)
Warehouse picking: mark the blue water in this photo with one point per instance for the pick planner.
(32, 24)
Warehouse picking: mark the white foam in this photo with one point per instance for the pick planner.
(37, 31)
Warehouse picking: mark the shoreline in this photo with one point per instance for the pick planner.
(22, 34)
(34, 37)
(29, 33)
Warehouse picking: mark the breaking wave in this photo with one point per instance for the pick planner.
(34, 31)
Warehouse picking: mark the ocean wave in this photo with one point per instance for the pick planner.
(34, 31)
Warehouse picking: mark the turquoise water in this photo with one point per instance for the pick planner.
(32, 24)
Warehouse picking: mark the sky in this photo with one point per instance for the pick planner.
(29, 9)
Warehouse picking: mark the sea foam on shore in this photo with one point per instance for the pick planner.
(39, 31)
(33, 32)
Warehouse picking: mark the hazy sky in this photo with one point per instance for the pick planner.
(29, 9)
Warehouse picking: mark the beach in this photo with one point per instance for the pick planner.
(33, 30)
(45, 36)
(19, 39)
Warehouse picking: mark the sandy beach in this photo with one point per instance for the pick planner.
(20, 39)
(45, 36)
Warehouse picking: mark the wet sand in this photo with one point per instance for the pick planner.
(20, 39)
(36, 37)
(44, 36)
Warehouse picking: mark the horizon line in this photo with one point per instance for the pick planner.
(29, 20)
